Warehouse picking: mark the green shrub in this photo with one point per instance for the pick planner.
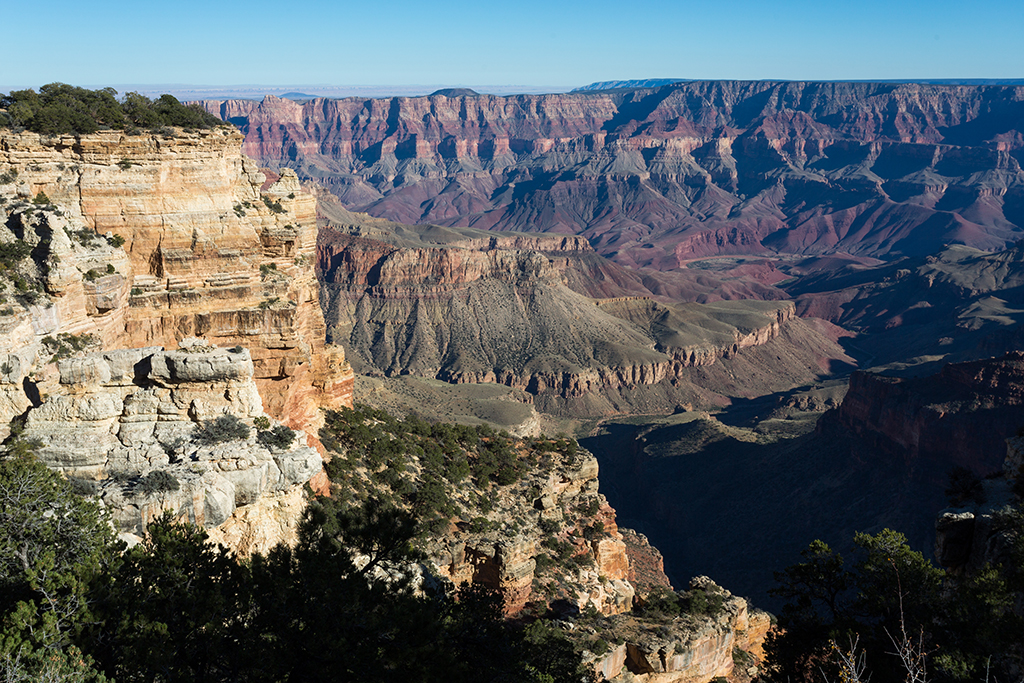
(41, 199)
(13, 253)
(64, 344)
(280, 437)
(661, 603)
(222, 429)
(964, 487)
(261, 422)
(8, 176)
(59, 109)
(115, 241)
(159, 481)
(273, 204)
(700, 602)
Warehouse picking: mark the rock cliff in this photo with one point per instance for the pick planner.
(466, 306)
(959, 416)
(656, 177)
(542, 534)
(137, 428)
(146, 239)
(689, 648)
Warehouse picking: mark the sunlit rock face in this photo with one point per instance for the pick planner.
(132, 426)
(183, 237)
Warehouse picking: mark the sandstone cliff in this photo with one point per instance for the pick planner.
(543, 535)
(147, 239)
(130, 426)
(657, 177)
(688, 648)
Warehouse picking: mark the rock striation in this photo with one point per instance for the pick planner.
(465, 306)
(689, 649)
(128, 426)
(506, 557)
(147, 239)
(959, 416)
(656, 177)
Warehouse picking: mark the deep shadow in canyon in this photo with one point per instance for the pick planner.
(739, 504)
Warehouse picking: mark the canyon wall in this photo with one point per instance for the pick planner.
(148, 239)
(489, 310)
(657, 177)
(135, 427)
(959, 416)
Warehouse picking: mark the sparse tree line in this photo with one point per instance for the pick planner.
(61, 109)
(76, 605)
(889, 614)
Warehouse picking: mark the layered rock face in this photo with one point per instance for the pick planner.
(960, 416)
(956, 305)
(468, 307)
(656, 177)
(128, 425)
(197, 246)
(688, 649)
(509, 561)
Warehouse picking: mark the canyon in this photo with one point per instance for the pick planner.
(657, 177)
(467, 306)
(164, 336)
(690, 275)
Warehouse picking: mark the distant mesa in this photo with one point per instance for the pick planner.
(630, 85)
(455, 92)
(297, 96)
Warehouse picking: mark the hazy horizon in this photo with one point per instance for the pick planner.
(258, 91)
(531, 42)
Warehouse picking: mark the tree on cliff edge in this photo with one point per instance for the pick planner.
(53, 545)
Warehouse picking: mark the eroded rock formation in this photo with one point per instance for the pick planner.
(195, 245)
(689, 649)
(130, 426)
(506, 558)
(959, 416)
(656, 177)
(465, 306)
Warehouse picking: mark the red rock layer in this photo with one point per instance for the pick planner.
(657, 177)
(959, 416)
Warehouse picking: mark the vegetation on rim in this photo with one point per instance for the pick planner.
(62, 109)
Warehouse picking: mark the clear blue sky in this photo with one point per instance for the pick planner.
(527, 42)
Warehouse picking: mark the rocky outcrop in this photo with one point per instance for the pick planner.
(986, 530)
(557, 505)
(646, 563)
(691, 648)
(491, 311)
(155, 237)
(656, 177)
(132, 426)
(959, 416)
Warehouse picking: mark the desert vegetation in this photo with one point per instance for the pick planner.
(61, 109)
(342, 605)
(891, 614)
